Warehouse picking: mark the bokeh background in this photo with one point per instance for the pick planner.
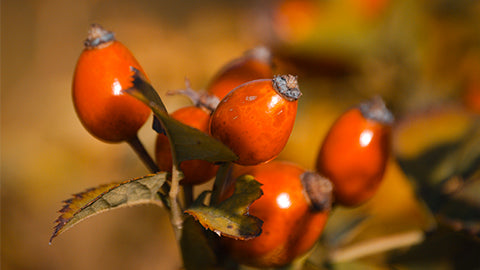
(417, 55)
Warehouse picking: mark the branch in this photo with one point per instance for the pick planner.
(375, 246)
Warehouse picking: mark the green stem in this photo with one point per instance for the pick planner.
(188, 194)
(138, 147)
(142, 153)
(219, 183)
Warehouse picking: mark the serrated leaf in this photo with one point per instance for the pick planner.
(106, 197)
(188, 143)
(230, 217)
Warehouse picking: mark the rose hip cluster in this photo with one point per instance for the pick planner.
(253, 114)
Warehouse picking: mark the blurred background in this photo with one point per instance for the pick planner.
(422, 57)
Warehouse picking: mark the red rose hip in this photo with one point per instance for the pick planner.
(294, 208)
(102, 71)
(256, 118)
(253, 65)
(355, 152)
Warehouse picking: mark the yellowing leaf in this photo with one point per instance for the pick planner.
(107, 197)
(230, 217)
(188, 143)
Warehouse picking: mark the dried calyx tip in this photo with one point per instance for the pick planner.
(376, 110)
(98, 36)
(318, 191)
(287, 86)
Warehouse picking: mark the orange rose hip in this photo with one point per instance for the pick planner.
(253, 65)
(256, 118)
(102, 71)
(355, 152)
(294, 208)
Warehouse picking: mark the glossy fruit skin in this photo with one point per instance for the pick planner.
(195, 171)
(254, 121)
(290, 226)
(253, 65)
(354, 155)
(101, 73)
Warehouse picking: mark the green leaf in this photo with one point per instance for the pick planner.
(444, 166)
(461, 211)
(463, 159)
(147, 90)
(197, 251)
(230, 217)
(188, 143)
(461, 193)
(343, 225)
(106, 197)
(428, 144)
